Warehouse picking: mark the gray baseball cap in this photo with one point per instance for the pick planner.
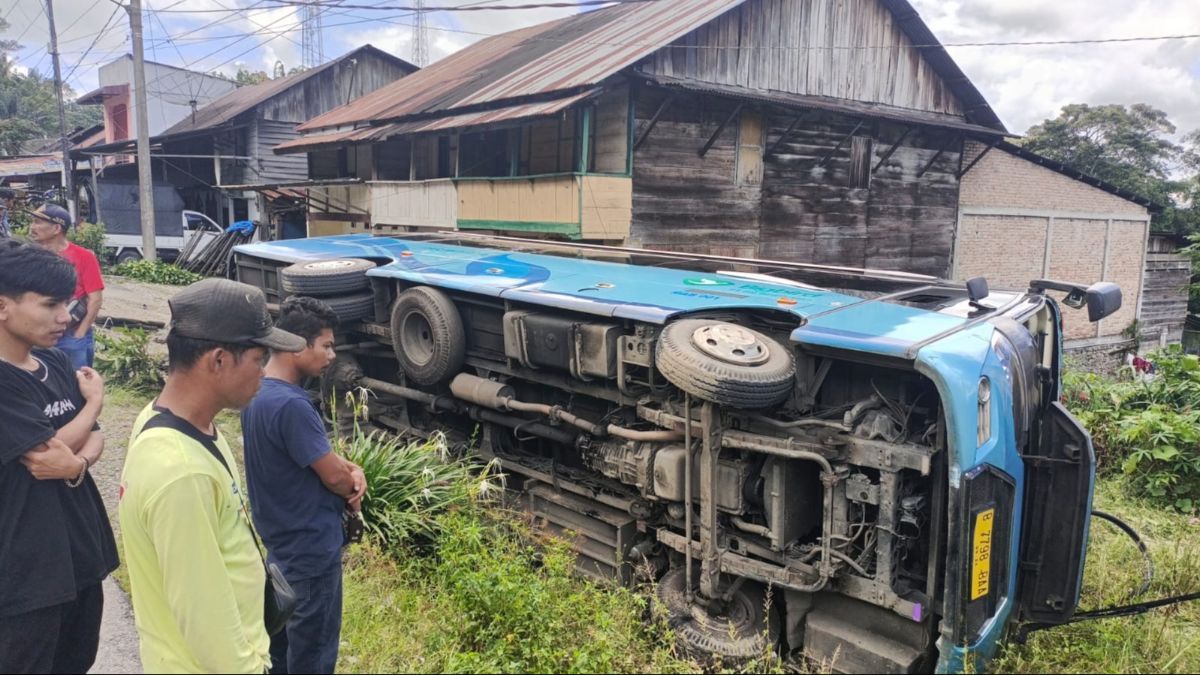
(226, 311)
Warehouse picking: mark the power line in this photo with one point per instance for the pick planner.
(192, 94)
(40, 14)
(94, 42)
(80, 17)
(344, 9)
(273, 35)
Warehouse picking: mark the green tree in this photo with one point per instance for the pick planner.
(245, 76)
(1131, 147)
(29, 105)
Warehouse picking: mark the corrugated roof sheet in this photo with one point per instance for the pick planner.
(583, 50)
(824, 103)
(28, 166)
(245, 98)
(562, 55)
(384, 131)
(97, 96)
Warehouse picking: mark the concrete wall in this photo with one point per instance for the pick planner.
(169, 91)
(1019, 221)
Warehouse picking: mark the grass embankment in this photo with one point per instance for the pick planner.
(472, 593)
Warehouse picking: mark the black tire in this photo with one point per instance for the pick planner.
(128, 255)
(709, 378)
(352, 308)
(327, 278)
(428, 336)
(745, 630)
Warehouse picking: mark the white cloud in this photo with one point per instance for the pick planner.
(447, 32)
(1026, 85)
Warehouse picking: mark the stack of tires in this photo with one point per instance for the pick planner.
(342, 284)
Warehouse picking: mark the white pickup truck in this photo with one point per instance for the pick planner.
(127, 247)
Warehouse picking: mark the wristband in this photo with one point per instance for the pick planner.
(78, 480)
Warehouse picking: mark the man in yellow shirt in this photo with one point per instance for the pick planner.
(196, 578)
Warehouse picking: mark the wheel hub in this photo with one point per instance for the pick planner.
(731, 344)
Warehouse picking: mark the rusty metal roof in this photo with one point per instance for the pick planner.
(97, 96)
(557, 56)
(824, 103)
(11, 167)
(473, 119)
(238, 101)
(582, 51)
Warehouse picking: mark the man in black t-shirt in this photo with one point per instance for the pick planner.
(56, 545)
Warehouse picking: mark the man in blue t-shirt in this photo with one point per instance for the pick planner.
(298, 490)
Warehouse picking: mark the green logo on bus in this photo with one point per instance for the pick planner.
(705, 281)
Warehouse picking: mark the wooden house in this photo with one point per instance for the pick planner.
(216, 154)
(828, 131)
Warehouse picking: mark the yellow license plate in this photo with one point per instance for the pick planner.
(981, 554)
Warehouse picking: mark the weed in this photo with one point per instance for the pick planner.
(156, 272)
(91, 236)
(495, 598)
(123, 358)
(1163, 640)
(1146, 428)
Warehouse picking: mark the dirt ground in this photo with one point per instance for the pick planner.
(128, 301)
(118, 636)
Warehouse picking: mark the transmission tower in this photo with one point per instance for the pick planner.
(420, 35)
(311, 46)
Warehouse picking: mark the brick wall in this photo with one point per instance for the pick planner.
(1019, 221)
(1007, 181)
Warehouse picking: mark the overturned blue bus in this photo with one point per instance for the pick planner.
(871, 469)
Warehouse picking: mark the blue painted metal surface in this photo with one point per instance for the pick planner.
(954, 362)
(651, 294)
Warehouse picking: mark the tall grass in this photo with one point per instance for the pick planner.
(495, 598)
(410, 484)
(1164, 640)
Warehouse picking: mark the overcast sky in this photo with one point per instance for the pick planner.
(1025, 84)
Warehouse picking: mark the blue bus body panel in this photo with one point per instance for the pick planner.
(876, 328)
(651, 294)
(953, 364)
(954, 361)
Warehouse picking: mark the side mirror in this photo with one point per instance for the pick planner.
(977, 289)
(1103, 299)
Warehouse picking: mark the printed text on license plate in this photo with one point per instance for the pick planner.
(981, 554)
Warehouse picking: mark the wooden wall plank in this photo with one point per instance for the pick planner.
(812, 47)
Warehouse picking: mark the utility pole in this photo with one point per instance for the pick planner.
(145, 182)
(67, 178)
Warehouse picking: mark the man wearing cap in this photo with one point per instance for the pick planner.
(195, 572)
(49, 230)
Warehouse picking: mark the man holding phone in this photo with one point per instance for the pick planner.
(49, 230)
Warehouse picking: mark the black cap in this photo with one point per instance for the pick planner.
(226, 311)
